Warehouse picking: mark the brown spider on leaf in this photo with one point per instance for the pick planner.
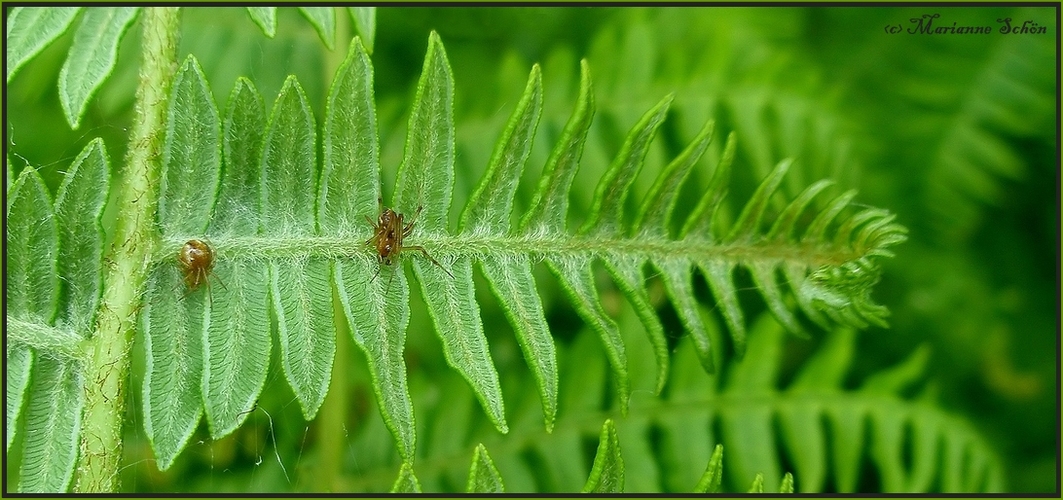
(388, 233)
(196, 260)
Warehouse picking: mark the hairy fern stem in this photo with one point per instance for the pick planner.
(106, 372)
(446, 248)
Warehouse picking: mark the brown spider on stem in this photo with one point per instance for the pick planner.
(388, 233)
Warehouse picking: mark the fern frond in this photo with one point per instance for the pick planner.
(293, 245)
(821, 425)
(54, 402)
(293, 242)
(815, 404)
(425, 179)
(93, 54)
(613, 470)
(19, 363)
(171, 326)
(973, 109)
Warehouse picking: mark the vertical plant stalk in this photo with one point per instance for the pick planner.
(128, 261)
(332, 418)
(333, 415)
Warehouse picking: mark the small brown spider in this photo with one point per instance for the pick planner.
(196, 259)
(388, 233)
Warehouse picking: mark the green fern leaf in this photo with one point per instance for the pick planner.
(819, 424)
(286, 249)
(239, 198)
(483, 476)
(547, 215)
(563, 467)
(67, 242)
(19, 362)
(349, 190)
(713, 476)
(751, 425)
(237, 343)
(191, 162)
(365, 24)
(675, 271)
(31, 29)
(758, 484)
(78, 206)
(236, 346)
(52, 393)
(54, 402)
(676, 432)
(550, 204)
(607, 473)
(92, 57)
(787, 484)
(265, 18)
(803, 428)
(324, 21)
(172, 329)
(406, 482)
(555, 462)
(604, 222)
(32, 249)
(488, 212)
(425, 179)
(299, 285)
(1006, 93)
(173, 322)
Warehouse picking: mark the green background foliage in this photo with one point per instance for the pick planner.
(953, 133)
